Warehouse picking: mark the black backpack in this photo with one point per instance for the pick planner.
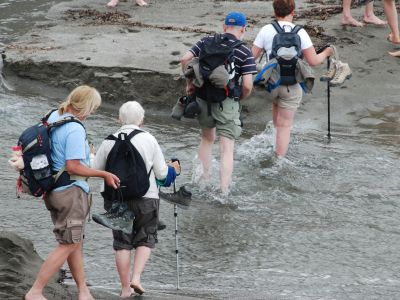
(218, 51)
(286, 48)
(37, 176)
(125, 161)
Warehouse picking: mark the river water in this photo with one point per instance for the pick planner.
(323, 224)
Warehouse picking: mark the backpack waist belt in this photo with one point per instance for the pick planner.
(62, 178)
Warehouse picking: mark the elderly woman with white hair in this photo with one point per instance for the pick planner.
(146, 208)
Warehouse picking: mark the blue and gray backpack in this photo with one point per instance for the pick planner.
(286, 48)
(37, 176)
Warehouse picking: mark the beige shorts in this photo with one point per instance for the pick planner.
(224, 116)
(288, 97)
(68, 209)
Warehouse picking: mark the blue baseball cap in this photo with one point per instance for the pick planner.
(235, 19)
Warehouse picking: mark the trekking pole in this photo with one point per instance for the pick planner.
(176, 241)
(329, 101)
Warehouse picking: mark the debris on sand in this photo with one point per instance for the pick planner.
(319, 38)
(319, 13)
(94, 17)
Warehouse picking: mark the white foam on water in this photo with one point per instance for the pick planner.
(259, 147)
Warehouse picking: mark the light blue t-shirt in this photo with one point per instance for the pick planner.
(69, 142)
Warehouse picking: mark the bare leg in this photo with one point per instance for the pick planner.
(283, 127)
(51, 265)
(142, 254)
(141, 3)
(391, 15)
(123, 262)
(75, 263)
(205, 150)
(347, 18)
(112, 3)
(226, 168)
(369, 16)
(274, 113)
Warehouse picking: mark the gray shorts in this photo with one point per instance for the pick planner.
(224, 116)
(288, 97)
(68, 209)
(144, 226)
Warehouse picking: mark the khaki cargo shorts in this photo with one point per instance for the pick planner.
(68, 209)
(224, 116)
(288, 97)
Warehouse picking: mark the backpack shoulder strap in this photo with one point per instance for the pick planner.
(63, 121)
(129, 137)
(133, 133)
(111, 137)
(237, 44)
(47, 115)
(296, 29)
(277, 27)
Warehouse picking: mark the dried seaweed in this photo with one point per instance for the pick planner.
(319, 13)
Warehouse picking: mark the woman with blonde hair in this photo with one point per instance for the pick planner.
(68, 202)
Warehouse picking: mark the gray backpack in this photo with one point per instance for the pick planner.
(286, 49)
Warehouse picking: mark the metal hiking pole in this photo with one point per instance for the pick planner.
(176, 241)
(328, 87)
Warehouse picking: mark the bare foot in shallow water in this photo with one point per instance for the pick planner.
(374, 20)
(137, 288)
(84, 294)
(350, 21)
(126, 292)
(141, 3)
(112, 3)
(34, 296)
(393, 40)
(395, 53)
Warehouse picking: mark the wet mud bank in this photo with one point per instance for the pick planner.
(19, 264)
(116, 84)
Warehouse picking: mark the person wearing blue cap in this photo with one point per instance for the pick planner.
(220, 104)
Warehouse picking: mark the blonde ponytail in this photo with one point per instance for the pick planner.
(62, 108)
(84, 100)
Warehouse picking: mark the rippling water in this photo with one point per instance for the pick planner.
(321, 224)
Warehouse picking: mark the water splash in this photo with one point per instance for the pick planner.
(209, 188)
(259, 147)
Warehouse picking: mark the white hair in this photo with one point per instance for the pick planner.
(131, 112)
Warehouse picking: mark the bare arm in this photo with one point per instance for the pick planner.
(256, 51)
(314, 59)
(247, 86)
(186, 59)
(74, 167)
